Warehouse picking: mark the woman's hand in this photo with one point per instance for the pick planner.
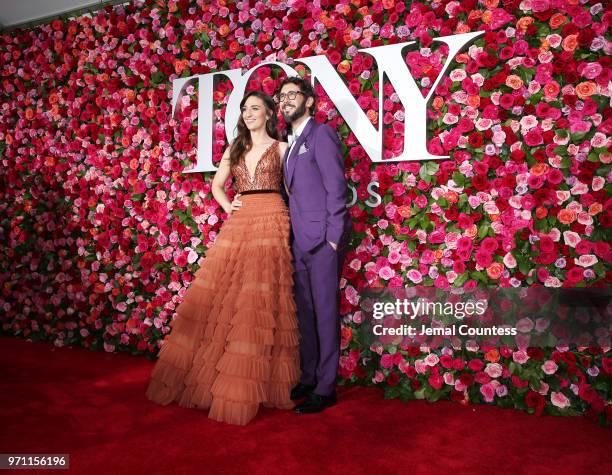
(236, 204)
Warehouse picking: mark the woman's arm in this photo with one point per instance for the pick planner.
(218, 184)
(282, 149)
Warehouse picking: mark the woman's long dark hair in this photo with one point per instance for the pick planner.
(243, 143)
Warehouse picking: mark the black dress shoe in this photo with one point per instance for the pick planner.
(301, 390)
(316, 403)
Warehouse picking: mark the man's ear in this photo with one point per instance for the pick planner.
(309, 103)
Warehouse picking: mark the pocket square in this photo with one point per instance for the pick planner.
(303, 149)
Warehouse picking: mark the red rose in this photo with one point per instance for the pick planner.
(360, 372)
(535, 401)
(480, 182)
(466, 379)
(517, 155)
(546, 244)
(435, 381)
(587, 393)
(535, 354)
(575, 274)
(533, 138)
(481, 168)
(458, 364)
(392, 379)
(518, 382)
(446, 361)
(475, 140)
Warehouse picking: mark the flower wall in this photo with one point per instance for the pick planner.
(102, 231)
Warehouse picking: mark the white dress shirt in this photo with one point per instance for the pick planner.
(296, 134)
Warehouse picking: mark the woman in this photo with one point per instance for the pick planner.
(234, 341)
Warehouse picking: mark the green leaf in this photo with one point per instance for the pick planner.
(523, 266)
(432, 168)
(157, 77)
(483, 230)
(420, 394)
(479, 276)
(423, 172)
(462, 279)
(459, 178)
(593, 157)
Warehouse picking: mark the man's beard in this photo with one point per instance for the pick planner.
(297, 113)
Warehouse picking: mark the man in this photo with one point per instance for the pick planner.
(316, 188)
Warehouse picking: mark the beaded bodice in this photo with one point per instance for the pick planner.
(267, 175)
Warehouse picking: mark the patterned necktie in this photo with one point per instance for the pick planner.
(291, 139)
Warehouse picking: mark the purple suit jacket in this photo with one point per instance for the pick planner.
(314, 175)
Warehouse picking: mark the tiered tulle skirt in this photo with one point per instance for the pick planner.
(234, 341)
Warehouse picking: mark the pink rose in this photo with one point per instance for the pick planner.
(501, 390)
(488, 392)
(192, 256)
(540, 5)
(524, 325)
(494, 370)
(451, 240)
(428, 257)
(420, 366)
(432, 359)
(571, 238)
(549, 367)
(394, 257)
(520, 357)
(386, 273)
(415, 276)
(587, 260)
(598, 183)
(591, 70)
(543, 388)
(509, 261)
(559, 400)
(421, 201)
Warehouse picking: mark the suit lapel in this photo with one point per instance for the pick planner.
(292, 157)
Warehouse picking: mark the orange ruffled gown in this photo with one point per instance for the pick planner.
(234, 341)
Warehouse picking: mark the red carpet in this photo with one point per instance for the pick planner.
(92, 406)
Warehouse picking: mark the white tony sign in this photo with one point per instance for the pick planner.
(390, 63)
